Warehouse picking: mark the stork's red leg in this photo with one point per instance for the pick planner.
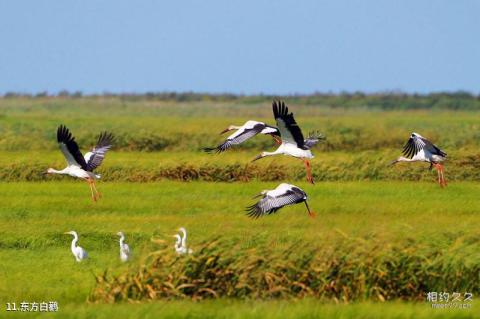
(439, 171)
(94, 198)
(442, 171)
(309, 171)
(96, 191)
(439, 174)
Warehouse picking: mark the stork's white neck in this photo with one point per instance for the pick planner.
(234, 127)
(54, 171)
(279, 150)
(404, 159)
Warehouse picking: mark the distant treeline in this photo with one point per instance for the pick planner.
(459, 100)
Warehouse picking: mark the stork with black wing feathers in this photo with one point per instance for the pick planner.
(293, 143)
(78, 165)
(419, 149)
(244, 133)
(273, 200)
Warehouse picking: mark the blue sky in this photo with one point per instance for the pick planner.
(249, 46)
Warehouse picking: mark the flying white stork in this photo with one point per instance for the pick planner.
(419, 149)
(293, 143)
(243, 133)
(78, 165)
(273, 200)
(124, 249)
(77, 251)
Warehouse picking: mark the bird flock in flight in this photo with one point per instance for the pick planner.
(287, 135)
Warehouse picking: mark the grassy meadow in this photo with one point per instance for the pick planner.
(382, 237)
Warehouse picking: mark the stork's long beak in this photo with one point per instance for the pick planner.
(257, 196)
(224, 131)
(277, 140)
(66, 233)
(310, 213)
(393, 163)
(45, 173)
(257, 157)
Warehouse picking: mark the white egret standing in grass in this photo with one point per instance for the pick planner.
(178, 244)
(184, 241)
(124, 249)
(78, 165)
(77, 251)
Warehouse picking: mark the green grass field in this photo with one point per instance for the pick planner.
(157, 180)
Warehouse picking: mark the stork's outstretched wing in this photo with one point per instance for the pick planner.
(69, 147)
(238, 137)
(270, 204)
(95, 157)
(290, 132)
(313, 138)
(416, 143)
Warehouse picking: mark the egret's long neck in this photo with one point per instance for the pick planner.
(177, 244)
(74, 242)
(122, 239)
(184, 239)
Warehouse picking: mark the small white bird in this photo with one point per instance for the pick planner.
(77, 251)
(184, 247)
(243, 133)
(419, 149)
(78, 165)
(293, 143)
(273, 200)
(124, 249)
(178, 244)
